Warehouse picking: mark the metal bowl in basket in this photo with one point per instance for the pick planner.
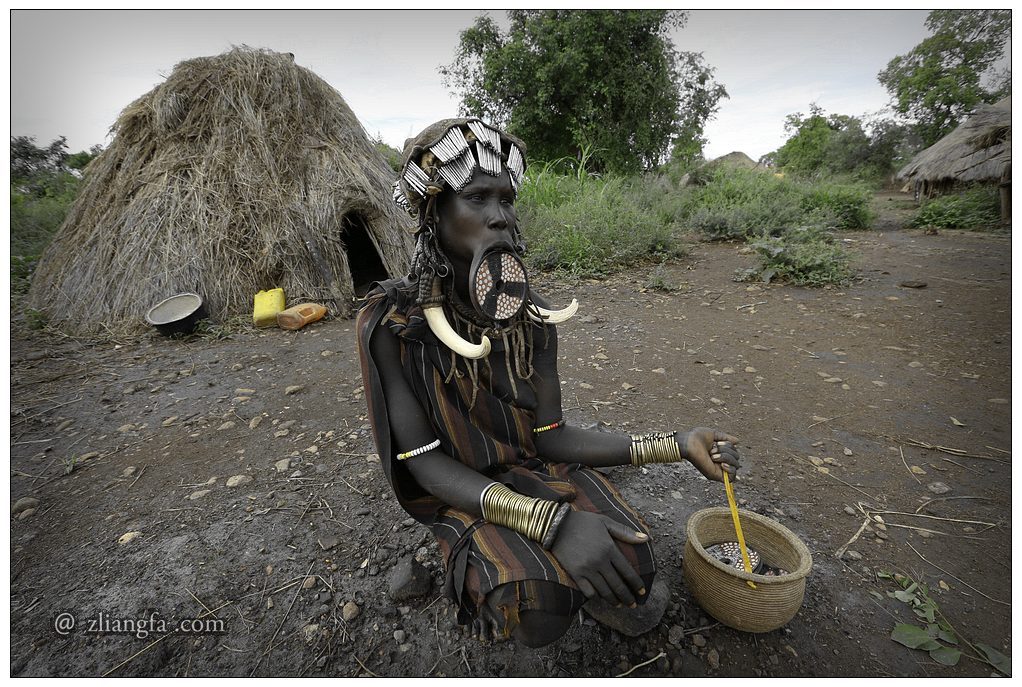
(722, 591)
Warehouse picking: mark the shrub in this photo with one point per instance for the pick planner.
(740, 203)
(978, 206)
(588, 226)
(848, 204)
(804, 256)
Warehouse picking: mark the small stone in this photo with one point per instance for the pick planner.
(850, 510)
(269, 570)
(238, 480)
(309, 632)
(938, 488)
(750, 368)
(350, 611)
(327, 543)
(309, 582)
(400, 636)
(626, 386)
(225, 426)
(847, 451)
(881, 535)
(26, 514)
(832, 380)
(196, 495)
(281, 433)
(852, 555)
(24, 503)
(312, 449)
(913, 284)
(409, 580)
(659, 371)
(293, 389)
(915, 363)
(282, 465)
(244, 392)
(728, 371)
(716, 401)
(713, 659)
(64, 425)
(585, 386)
(255, 422)
(699, 640)
(237, 366)
(601, 356)
(124, 429)
(998, 401)
(877, 382)
(675, 635)
(326, 354)
(127, 537)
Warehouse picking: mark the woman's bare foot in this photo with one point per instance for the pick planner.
(488, 625)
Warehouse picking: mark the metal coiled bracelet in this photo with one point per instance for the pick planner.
(537, 519)
(659, 447)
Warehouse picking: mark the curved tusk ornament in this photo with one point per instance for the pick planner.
(555, 316)
(440, 327)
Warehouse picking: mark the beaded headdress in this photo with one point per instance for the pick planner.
(446, 154)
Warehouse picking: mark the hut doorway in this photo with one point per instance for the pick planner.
(364, 261)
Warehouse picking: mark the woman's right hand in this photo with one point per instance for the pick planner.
(585, 548)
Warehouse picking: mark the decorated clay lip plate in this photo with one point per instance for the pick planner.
(499, 285)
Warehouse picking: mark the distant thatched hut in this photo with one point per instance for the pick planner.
(239, 173)
(734, 160)
(978, 151)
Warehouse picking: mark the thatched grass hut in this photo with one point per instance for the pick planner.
(977, 151)
(241, 172)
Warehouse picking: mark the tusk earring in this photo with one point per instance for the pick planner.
(555, 316)
(440, 327)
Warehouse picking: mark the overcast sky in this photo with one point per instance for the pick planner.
(73, 71)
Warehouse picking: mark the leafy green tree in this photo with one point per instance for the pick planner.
(568, 81)
(839, 144)
(805, 150)
(938, 83)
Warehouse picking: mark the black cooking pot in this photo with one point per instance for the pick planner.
(178, 314)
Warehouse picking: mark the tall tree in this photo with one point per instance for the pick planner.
(939, 82)
(567, 81)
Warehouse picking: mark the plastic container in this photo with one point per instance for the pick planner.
(267, 305)
(297, 316)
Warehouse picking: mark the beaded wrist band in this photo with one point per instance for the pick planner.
(545, 428)
(659, 447)
(530, 517)
(419, 451)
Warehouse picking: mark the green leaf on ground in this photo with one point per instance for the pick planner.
(913, 637)
(946, 655)
(995, 658)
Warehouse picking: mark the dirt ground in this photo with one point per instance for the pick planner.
(144, 436)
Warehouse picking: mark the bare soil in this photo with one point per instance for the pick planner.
(118, 437)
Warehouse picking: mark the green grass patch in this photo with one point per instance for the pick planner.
(977, 207)
(743, 203)
(587, 225)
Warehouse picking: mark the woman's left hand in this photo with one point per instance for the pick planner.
(712, 452)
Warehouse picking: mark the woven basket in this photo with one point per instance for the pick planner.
(721, 590)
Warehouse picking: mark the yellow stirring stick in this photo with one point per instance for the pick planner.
(738, 528)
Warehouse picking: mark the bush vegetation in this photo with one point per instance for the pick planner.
(587, 225)
(978, 206)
